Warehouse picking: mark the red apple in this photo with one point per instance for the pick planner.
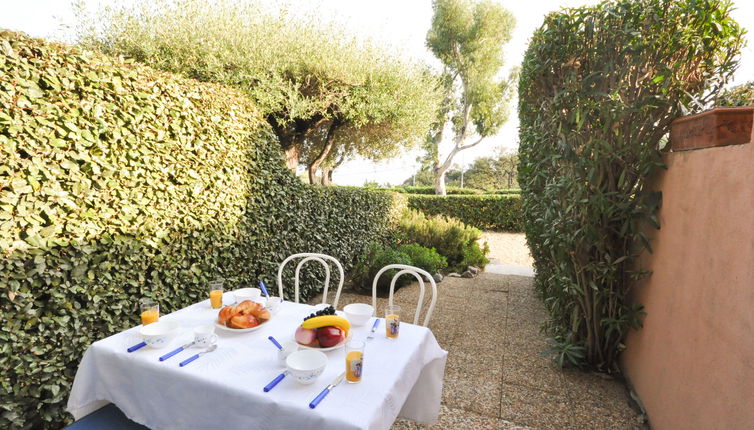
(330, 336)
(305, 336)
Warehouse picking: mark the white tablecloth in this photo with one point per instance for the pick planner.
(223, 389)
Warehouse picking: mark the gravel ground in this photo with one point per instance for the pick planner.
(496, 377)
(508, 248)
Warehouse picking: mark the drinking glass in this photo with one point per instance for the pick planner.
(354, 360)
(392, 321)
(216, 294)
(150, 311)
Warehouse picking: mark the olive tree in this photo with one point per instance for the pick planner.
(468, 38)
(598, 90)
(318, 88)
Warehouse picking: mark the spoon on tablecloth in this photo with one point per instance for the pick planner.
(194, 357)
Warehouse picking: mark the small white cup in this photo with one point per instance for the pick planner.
(288, 349)
(247, 294)
(273, 304)
(204, 335)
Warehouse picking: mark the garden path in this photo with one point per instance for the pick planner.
(496, 376)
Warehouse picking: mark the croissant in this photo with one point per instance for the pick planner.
(246, 314)
(243, 321)
(225, 314)
(247, 307)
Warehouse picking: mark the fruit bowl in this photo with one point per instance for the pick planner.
(323, 330)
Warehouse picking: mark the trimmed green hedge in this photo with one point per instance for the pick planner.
(486, 212)
(431, 190)
(119, 182)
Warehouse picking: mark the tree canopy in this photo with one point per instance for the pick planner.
(325, 94)
(468, 38)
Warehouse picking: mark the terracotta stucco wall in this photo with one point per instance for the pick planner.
(692, 364)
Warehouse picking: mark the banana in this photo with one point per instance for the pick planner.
(327, 320)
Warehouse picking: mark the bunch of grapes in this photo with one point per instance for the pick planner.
(326, 311)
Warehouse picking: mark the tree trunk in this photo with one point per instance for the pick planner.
(291, 157)
(440, 182)
(329, 140)
(327, 176)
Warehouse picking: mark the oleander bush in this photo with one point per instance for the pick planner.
(451, 238)
(119, 182)
(598, 89)
(380, 255)
(486, 212)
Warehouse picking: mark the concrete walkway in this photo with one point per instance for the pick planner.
(496, 376)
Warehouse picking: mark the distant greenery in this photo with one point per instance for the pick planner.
(499, 171)
(451, 238)
(327, 95)
(431, 190)
(598, 91)
(485, 212)
(741, 95)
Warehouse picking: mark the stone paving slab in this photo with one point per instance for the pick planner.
(496, 376)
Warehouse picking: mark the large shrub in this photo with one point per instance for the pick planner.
(119, 182)
(486, 212)
(380, 255)
(598, 90)
(454, 240)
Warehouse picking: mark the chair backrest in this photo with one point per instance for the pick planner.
(306, 257)
(418, 273)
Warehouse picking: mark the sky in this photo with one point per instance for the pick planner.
(401, 24)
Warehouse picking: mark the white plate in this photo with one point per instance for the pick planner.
(340, 345)
(239, 330)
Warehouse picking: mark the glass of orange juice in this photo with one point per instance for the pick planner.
(150, 311)
(216, 294)
(354, 361)
(392, 321)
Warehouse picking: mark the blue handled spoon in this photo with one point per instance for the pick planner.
(194, 357)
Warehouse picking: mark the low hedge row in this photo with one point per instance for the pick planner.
(486, 212)
(431, 190)
(119, 182)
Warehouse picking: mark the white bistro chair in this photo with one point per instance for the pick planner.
(306, 257)
(418, 273)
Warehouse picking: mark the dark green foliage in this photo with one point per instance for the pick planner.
(424, 258)
(740, 95)
(599, 88)
(119, 182)
(379, 256)
(454, 240)
(374, 259)
(486, 212)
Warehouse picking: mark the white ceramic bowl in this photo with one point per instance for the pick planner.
(306, 365)
(242, 294)
(158, 334)
(358, 313)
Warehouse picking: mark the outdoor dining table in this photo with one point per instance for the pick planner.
(223, 389)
